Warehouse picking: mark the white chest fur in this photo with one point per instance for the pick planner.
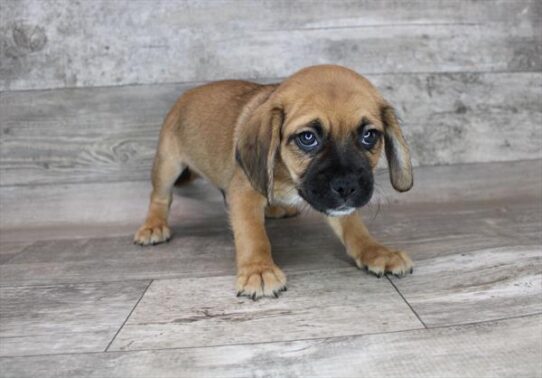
(286, 195)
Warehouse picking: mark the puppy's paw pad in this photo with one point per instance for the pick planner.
(152, 234)
(381, 260)
(256, 281)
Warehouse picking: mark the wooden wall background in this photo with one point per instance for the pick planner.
(65, 43)
(466, 75)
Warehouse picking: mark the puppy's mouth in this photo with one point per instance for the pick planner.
(338, 210)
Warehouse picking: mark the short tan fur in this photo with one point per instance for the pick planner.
(239, 134)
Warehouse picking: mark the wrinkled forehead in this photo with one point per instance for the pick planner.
(339, 109)
(339, 98)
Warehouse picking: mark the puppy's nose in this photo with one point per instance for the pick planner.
(343, 186)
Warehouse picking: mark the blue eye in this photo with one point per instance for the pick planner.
(369, 138)
(307, 141)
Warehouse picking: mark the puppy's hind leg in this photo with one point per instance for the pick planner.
(166, 169)
(186, 177)
(280, 211)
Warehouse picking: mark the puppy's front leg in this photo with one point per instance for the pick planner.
(257, 274)
(366, 251)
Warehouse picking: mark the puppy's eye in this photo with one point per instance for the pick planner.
(369, 138)
(307, 141)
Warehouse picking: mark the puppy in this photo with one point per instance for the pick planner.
(313, 139)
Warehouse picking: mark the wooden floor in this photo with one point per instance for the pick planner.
(79, 299)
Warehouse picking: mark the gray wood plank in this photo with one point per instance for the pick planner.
(64, 318)
(101, 209)
(82, 135)
(202, 244)
(110, 134)
(99, 204)
(168, 41)
(474, 286)
(199, 248)
(432, 231)
(9, 249)
(507, 348)
(198, 312)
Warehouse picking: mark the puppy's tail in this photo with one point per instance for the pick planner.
(186, 177)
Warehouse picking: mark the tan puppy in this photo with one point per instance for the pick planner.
(315, 138)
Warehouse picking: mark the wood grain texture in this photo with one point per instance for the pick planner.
(64, 318)
(190, 254)
(46, 212)
(480, 285)
(433, 231)
(473, 231)
(195, 312)
(110, 134)
(8, 249)
(81, 135)
(199, 248)
(171, 41)
(507, 348)
(203, 246)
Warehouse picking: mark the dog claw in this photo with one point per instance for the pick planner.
(411, 270)
(276, 294)
(377, 275)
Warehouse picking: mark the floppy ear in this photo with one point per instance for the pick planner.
(257, 146)
(397, 152)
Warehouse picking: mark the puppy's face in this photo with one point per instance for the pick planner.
(331, 142)
(333, 128)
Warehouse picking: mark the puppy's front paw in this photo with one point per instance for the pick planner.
(152, 233)
(260, 280)
(379, 260)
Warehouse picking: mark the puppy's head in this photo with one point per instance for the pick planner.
(326, 126)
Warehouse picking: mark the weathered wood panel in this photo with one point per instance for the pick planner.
(81, 135)
(203, 246)
(196, 312)
(110, 134)
(49, 44)
(480, 285)
(473, 231)
(64, 318)
(199, 249)
(508, 348)
(101, 209)
(8, 249)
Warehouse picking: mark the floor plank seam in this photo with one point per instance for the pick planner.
(408, 304)
(262, 80)
(484, 321)
(38, 285)
(18, 254)
(128, 317)
(143, 180)
(216, 274)
(281, 341)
